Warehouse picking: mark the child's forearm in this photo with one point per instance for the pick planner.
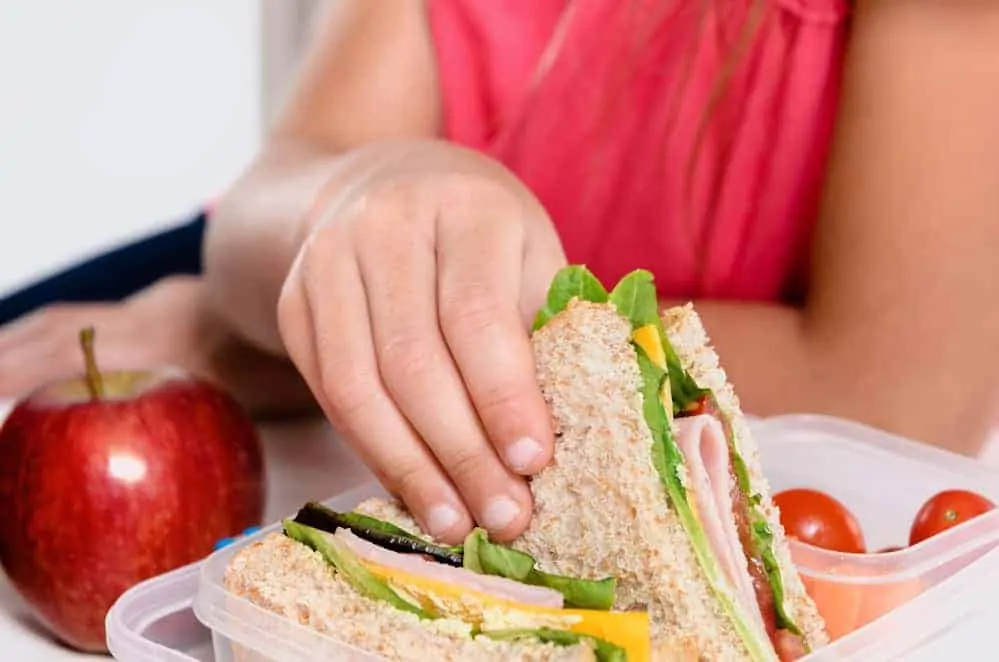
(254, 234)
(782, 360)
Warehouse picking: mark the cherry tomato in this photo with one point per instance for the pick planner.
(946, 510)
(817, 519)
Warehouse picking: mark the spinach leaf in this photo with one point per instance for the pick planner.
(763, 539)
(578, 593)
(604, 651)
(635, 297)
(687, 395)
(346, 563)
(571, 282)
(762, 536)
(488, 558)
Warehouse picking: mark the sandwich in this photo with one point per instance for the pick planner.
(653, 535)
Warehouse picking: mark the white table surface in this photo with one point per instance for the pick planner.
(304, 461)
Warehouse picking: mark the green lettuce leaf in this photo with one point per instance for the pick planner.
(569, 283)
(635, 297)
(347, 564)
(667, 458)
(604, 651)
(488, 558)
(762, 536)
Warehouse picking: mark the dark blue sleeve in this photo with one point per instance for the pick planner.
(117, 273)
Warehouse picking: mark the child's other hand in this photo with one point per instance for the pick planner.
(166, 324)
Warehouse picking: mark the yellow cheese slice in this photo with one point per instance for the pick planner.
(627, 629)
(647, 337)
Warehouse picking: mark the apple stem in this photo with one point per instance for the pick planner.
(93, 376)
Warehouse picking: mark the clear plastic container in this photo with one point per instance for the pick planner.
(930, 602)
(154, 621)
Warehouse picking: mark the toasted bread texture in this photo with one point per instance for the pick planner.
(693, 347)
(289, 579)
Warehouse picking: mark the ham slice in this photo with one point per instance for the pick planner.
(497, 587)
(702, 441)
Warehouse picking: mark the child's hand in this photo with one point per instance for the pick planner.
(165, 324)
(408, 310)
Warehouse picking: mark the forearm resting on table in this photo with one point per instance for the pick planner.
(783, 360)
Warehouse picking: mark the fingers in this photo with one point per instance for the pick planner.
(43, 347)
(338, 361)
(479, 293)
(418, 370)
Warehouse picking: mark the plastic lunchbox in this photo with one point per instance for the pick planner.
(930, 602)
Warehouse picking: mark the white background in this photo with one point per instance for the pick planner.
(118, 117)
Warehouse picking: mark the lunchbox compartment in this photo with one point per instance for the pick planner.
(883, 480)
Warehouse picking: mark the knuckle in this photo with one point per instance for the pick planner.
(497, 402)
(406, 476)
(406, 359)
(469, 309)
(347, 392)
(466, 466)
(385, 205)
(467, 189)
(319, 248)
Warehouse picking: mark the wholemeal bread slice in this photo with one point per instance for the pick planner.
(293, 581)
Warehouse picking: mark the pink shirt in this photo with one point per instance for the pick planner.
(580, 99)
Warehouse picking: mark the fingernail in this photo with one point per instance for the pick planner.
(500, 513)
(523, 453)
(440, 519)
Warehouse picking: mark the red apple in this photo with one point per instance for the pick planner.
(113, 478)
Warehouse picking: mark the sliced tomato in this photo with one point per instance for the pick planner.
(817, 519)
(944, 511)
